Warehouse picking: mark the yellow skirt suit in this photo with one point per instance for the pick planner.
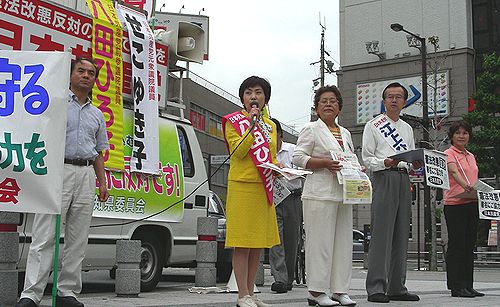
(251, 221)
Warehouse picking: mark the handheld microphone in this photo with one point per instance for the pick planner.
(254, 104)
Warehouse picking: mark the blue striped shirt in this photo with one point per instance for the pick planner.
(85, 130)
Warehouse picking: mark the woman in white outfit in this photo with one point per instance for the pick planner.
(327, 221)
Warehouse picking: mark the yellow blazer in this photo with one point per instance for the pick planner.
(242, 167)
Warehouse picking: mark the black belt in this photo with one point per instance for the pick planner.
(79, 162)
(296, 192)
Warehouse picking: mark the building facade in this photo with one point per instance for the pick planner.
(373, 55)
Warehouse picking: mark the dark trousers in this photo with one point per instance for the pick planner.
(461, 222)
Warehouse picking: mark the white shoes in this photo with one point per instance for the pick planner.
(246, 301)
(259, 302)
(343, 299)
(321, 300)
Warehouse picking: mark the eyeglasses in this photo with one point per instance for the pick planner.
(391, 97)
(331, 101)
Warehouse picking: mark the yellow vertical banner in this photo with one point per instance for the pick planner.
(107, 94)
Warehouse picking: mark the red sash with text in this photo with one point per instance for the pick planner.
(259, 152)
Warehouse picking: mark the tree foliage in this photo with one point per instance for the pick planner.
(485, 118)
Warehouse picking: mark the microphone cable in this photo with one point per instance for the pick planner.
(185, 197)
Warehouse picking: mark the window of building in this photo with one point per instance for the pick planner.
(197, 119)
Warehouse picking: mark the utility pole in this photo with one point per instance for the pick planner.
(322, 57)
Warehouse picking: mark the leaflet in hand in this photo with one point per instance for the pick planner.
(288, 173)
(480, 186)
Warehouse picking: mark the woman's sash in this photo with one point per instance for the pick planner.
(259, 152)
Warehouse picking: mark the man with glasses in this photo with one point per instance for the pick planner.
(385, 136)
(83, 161)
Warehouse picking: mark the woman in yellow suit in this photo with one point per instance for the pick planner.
(251, 217)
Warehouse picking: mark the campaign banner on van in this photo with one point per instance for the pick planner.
(33, 101)
(137, 195)
(106, 96)
(145, 148)
(489, 205)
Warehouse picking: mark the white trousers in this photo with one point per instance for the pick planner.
(76, 213)
(328, 227)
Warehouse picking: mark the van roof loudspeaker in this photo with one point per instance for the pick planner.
(185, 42)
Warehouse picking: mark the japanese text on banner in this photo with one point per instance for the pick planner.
(34, 92)
(145, 153)
(107, 52)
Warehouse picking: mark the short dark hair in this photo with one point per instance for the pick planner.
(325, 89)
(256, 81)
(279, 131)
(80, 59)
(457, 125)
(396, 84)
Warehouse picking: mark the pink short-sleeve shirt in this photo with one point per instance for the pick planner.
(466, 163)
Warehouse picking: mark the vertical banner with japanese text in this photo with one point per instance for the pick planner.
(146, 5)
(34, 92)
(107, 52)
(145, 152)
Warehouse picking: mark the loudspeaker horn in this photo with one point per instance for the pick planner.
(185, 43)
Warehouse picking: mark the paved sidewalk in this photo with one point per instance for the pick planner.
(430, 286)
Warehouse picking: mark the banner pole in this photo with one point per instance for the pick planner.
(56, 260)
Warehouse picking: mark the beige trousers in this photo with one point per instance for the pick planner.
(76, 213)
(328, 227)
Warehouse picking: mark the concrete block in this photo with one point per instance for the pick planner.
(8, 287)
(205, 277)
(9, 218)
(128, 251)
(206, 251)
(206, 226)
(128, 282)
(9, 253)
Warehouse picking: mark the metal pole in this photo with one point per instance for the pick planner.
(56, 260)
(418, 225)
(425, 137)
(322, 60)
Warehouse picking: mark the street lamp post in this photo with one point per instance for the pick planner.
(425, 125)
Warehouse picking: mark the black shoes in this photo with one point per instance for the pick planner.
(410, 297)
(476, 293)
(462, 293)
(279, 287)
(378, 298)
(26, 302)
(67, 301)
(289, 287)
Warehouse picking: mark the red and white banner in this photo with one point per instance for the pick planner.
(37, 25)
(146, 5)
(145, 151)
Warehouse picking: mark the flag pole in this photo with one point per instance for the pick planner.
(56, 260)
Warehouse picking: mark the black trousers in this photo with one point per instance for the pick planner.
(461, 222)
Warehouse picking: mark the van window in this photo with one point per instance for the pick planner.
(187, 157)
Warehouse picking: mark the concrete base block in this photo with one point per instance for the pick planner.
(128, 251)
(128, 282)
(206, 251)
(205, 277)
(206, 226)
(8, 287)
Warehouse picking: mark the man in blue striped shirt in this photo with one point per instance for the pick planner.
(86, 139)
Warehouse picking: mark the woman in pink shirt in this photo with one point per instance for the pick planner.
(461, 213)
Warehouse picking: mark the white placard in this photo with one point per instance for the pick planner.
(280, 191)
(33, 101)
(489, 205)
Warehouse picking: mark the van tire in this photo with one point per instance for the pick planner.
(151, 261)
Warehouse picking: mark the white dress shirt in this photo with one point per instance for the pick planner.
(284, 157)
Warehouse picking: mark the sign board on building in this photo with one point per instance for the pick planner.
(369, 97)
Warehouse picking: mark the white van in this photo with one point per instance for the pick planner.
(168, 239)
